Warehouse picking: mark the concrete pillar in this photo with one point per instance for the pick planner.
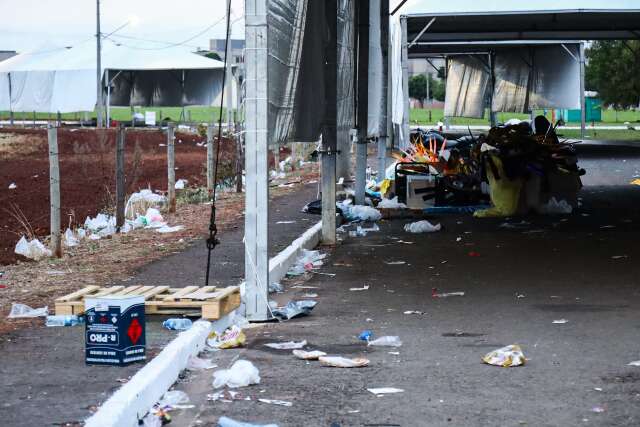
(363, 99)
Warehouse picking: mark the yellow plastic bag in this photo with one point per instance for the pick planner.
(505, 193)
(232, 338)
(505, 357)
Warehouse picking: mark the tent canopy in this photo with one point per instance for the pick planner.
(64, 79)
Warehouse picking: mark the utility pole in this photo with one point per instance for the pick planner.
(98, 67)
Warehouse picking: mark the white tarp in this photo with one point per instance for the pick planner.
(374, 122)
(467, 83)
(64, 80)
(467, 6)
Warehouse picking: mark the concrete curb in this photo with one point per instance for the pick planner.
(280, 264)
(134, 399)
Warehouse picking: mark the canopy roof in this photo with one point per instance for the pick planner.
(570, 24)
(444, 49)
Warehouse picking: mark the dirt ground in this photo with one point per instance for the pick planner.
(517, 280)
(87, 174)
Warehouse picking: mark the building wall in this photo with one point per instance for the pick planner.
(237, 49)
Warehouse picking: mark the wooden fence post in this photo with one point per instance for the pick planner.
(120, 179)
(210, 159)
(171, 169)
(54, 192)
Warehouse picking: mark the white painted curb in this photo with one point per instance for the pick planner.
(280, 264)
(134, 399)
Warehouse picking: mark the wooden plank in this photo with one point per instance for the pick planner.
(63, 309)
(108, 291)
(142, 290)
(78, 294)
(127, 291)
(181, 292)
(154, 291)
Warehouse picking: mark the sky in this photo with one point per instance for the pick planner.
(29, 25)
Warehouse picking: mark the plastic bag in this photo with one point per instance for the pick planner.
(33, 249)
(505, 193)
(422, 227)
(306, 262)
(196, 364)
(231, 338)
(228, 422)
(308, 355)
(181, 184)
(555, 207)
(173, 398)
(138, 203)
(102, 225)
(391, 203)
(505, 357)
(294, 309)
(241, 374)
(22, 311)
(276, 287)
(360, 213)
(343, 362)
(290, 345)
(70, 240)
(166, 229)
(386, 341)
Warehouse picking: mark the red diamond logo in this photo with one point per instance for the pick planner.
(134, 332)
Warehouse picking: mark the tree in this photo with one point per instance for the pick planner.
(437, 89)
(613, 70)
(418, 87)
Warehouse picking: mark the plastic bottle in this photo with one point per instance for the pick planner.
(177, 324)
(63, 321)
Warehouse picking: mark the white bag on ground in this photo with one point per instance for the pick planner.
(391, 204)
(241, 374)
(343, 362)
(173, 398)
(386, 341)
(422, 227)
(33, 249)
(70, 239)
(22, 311)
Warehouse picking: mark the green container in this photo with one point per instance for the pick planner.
(593, 112)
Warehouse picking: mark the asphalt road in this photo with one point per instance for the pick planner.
(581, 267)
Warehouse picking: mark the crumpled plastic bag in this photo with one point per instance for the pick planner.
(505, 357)
(228, 422)
(359, 213)
(422, 227)
(138, 203)
(294, 309)
(386, 341)
(343, 362)
(308, 355)
(180, 184)
(196, 363)
(173, 398)
(555, 207)
(241, 374)
(306, 262)
(33, 249)
(289, 345)
(70, 239)
(391, 204)
(102, 225)
(505, 193)
(22, 311)
(231, 338)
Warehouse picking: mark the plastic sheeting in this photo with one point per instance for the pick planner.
(467, 83)
(375, 124)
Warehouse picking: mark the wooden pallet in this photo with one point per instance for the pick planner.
(209, 302)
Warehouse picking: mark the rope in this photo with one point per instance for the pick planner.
(212, 241)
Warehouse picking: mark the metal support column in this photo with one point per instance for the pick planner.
(329, 128)
(363, 100)
(492, 81)
(406, 131)
(256, 161)
(583, 115)
(385, 131)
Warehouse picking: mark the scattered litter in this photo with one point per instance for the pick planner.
(435, 294)
(395, 262)
(597, 389)
(166, 229)
(294, 309)
(12, 186)
(241, 374)
(308, 355)
(290, 345)
(310, 296)
(343, 362)
(505, 357)
(474, 254)
(394, 353)
(231, 338)
(181, 184)
(555, 207)
(33, 249)
(385, 390)
(386, 341)
(636, 363)
(606, 227)
(515, 226)
(560, 321)
(226, 396)
(138, 203)
(359, 213)
(307, 261)
(173, 398)
(62, 320)
(276, 287)
(70, 239)
(414, 312)
(391, 204)
(285, 222)
(364, 288)
(518, 296)
(620, 256)
(177, 324)
(365, 335)
(303, 287)
(101, 226)
(423, 226)
(276, 402)
(228, 422)
(22, 311)
(598, 409)
(196, 364)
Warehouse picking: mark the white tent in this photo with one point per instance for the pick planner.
(64, 80)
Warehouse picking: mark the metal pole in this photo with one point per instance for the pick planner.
(492, 89)
(171, 169)
(54, 192)
(106, 72)
(363, 100)
(405, 133)
(583, 115)
(385, 131)
(229, 88)
(210, 159)
(120, 179)
(256, 160)
(329, 130)
(98, 67)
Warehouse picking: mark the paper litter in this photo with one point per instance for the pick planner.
(308, 355)
(343, 362)
(276, 402)
(560, 322)
(636, 363)
(364, 288)
(505, 357)
(423, 226)
(241, 374)
(22, 311)
(12, 186)
(290, 345)
(385, 390)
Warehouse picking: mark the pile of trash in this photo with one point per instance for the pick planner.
(307, 261)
